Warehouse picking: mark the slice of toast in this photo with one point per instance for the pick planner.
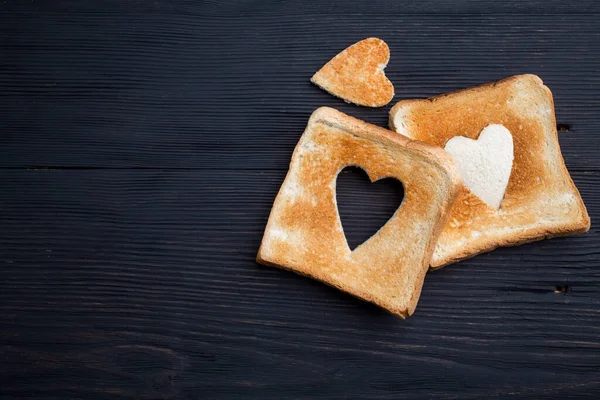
(304, 233)
(540, 200)
(356, 74)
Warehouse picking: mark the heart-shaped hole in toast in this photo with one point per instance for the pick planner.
(364, 206)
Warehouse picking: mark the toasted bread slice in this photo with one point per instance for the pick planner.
(540, 201)
(356, 74)
(304, 233)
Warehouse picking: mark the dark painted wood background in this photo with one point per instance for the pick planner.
(142, 143)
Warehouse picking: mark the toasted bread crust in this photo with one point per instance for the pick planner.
(356, 74)
(304, 232)
(541, 200)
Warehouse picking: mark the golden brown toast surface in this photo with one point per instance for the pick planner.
(356, 74)
(304, 233)
(540, 200)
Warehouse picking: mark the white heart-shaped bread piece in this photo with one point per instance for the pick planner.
(485, 164)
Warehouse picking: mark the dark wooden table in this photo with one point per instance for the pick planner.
(142, 143)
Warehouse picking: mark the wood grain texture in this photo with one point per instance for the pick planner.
(380, 200)
(290, 7)
(169, 90)
(142, 144)
(142, 284)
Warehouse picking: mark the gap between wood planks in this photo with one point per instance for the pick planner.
(559, 127)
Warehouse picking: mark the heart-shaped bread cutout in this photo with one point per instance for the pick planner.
(364, 205)
(485, 164)
(356, 74)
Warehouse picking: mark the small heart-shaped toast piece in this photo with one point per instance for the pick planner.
(356, 74)
(485, 163)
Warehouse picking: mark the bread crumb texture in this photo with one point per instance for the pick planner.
(356, 74)
(304, 232)
(540, 201)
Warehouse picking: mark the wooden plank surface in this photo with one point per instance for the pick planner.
(142, 144)
(189, 91)
(291, 7)
(143, 283)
